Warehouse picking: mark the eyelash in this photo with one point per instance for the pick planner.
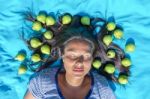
(73, 57)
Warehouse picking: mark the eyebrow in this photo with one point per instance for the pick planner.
(72, 50)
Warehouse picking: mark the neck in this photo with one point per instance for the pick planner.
(72, 81)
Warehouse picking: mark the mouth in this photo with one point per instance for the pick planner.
(78, 70)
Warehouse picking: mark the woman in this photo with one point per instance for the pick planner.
(77, 45)
(75, 79)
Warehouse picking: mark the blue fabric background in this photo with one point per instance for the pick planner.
(133, 15)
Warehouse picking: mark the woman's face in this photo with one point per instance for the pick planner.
(77, 58)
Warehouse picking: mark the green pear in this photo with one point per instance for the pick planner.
(66, 19)
(36, 58)
(50, 21)
(109, 68)
(45, 49)
(35, 43)
(97, 63)
(107, 39)
(118, 33)
(22, 69)
(85, 20)
(20, 57)
(130, 47)
(126, 62)
(36, 26)
(41, 18)
(123, 79)
(111, 26)
(111, 53)
(48, 35)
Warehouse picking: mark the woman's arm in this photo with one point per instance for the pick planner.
(28, 95)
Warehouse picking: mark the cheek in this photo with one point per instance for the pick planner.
(68, 65)
(88, 66)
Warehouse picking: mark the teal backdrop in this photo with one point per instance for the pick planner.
(132, 15)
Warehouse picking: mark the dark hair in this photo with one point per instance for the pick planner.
(62, 33)
(73, 31)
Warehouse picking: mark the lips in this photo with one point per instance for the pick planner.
(78, 70)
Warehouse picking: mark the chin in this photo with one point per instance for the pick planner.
(78, 75)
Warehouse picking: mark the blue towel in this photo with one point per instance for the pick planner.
(132, 15)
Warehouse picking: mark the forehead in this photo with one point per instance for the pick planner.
(78, 46)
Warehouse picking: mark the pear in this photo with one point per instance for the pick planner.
(111, 53)
(41, 18)
(22, 69)
(36, 26)
(123, 79)
(35, 43)
(109, 68)
(36, 58)
(126, 62)
(118, 33)
(107, 39)
(85, 20)
(130, 47)
(48, 35)
(111, 26)
(50, 21)
(20, 57)
(97, 63)
(66, 19)
(45, 49)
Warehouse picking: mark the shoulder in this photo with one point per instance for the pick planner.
(40, 81)
(100, 79)
(103, 87)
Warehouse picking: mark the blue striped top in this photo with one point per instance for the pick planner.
(44, 85)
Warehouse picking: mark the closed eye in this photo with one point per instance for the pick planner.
(72, 57)
(87, 57)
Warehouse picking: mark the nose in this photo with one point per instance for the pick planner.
(79, 62)
(80, 59)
